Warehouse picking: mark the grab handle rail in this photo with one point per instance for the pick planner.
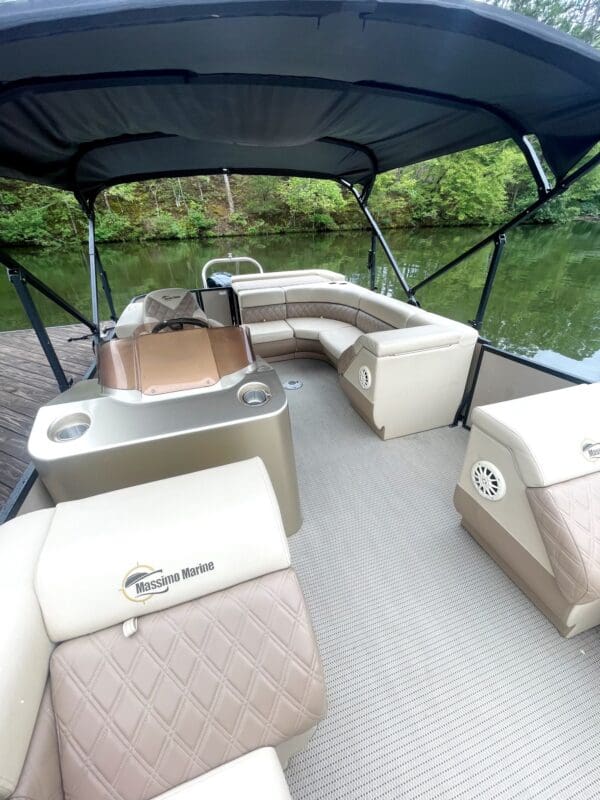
(230, 259)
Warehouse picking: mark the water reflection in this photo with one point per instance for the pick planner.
(544, 304)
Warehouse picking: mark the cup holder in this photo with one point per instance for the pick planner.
(69, 428)
(254, 394)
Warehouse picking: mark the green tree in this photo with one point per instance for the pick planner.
(580, 18)
(312, 200)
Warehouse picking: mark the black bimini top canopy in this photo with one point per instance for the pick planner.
(97, 92)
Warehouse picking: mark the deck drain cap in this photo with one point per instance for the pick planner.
(293, 383)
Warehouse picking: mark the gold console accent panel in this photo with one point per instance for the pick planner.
(173, 361)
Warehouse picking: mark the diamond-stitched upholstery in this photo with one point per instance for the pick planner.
(158, 311)
(270, 313)
(370, 324)
(337, 311)
(198, 685)
(568, 517)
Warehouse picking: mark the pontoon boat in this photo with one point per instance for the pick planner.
(235, 567)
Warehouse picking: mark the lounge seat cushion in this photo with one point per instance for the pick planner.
(311, 327)
(337, 340)
(275, 331)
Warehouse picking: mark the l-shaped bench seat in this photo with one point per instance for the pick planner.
(403, 369)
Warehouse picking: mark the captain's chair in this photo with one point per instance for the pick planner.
(157, 645)
(161, 305)
(167, 304)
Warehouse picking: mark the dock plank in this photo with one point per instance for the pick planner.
(26, 383)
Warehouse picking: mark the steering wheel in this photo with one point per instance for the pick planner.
(177, 323)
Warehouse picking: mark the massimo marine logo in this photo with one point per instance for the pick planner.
(143, 581)
(591, 450)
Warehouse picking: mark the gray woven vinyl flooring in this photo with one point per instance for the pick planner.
(443, 680)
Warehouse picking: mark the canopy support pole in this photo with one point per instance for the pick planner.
(21, 279)
(360, 199)
(96, 268)
(372, 262)
(105, 286)
(40, 329)
(535, 166)
(555, 191)
(489, 280)
(93, 273)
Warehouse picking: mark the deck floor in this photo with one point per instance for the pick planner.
(443, 680)
(26, 383)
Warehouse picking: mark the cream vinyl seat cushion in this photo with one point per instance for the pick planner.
(312, 327)
(276, 331)
(337, 340)
(140, 602)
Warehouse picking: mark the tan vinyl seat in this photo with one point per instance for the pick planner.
(529, 493)
(157, 646)
(312, 327)
(272, 331)
(337, 340)
(380, 347)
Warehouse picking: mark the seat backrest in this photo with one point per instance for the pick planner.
(171, 638)
(262, 305)
(274, 280)
(164, 304)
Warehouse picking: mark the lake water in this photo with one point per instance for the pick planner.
(545, 303)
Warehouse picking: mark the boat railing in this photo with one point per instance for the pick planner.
(230, 259)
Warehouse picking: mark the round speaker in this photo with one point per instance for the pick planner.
(488, 480)
(364, 377)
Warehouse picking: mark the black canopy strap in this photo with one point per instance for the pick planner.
(497, 238)
(497, 235)
(21, 278)
(359, 197)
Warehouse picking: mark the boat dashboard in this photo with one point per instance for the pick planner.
(176, 396)
(178, 355)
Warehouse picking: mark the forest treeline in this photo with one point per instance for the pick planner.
(479, 187)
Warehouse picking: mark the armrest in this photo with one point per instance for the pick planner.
(408, 340)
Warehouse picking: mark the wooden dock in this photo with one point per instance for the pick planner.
(26, 383)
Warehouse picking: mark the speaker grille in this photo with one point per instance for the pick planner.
(488, 480)
(364, 377)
